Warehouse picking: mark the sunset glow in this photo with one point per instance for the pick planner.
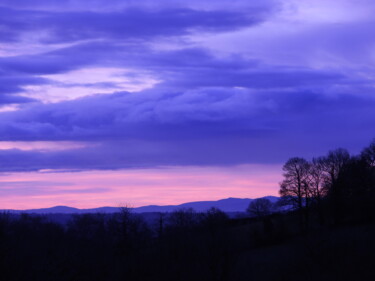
(163, 186)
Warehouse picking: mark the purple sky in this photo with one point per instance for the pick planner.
(176, 88)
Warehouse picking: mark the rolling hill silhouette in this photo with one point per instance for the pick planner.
(226, 205)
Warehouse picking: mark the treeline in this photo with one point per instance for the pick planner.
(328, 235)
(338, 187)
(182, 245)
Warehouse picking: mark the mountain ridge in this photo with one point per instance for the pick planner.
(227, 205)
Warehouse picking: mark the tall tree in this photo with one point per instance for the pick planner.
(368, 154)
(354, 196)
(295, 187)
(318, 185)
(333, 164)
(317, 179)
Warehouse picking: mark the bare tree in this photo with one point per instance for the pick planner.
(333, 163)
(260, 207)
(294, 187)
(317, 179)
(368, 154)
(318, 185)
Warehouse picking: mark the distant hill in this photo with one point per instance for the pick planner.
(226, 205)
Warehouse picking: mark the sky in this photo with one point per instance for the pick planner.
(106, 103)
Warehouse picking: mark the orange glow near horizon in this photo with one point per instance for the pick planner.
(158, 186)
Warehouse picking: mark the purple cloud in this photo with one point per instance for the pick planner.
(126, 24)
(205, 127)
(30, 188)
(285, 87)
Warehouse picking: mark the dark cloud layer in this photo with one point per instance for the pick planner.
(206, 127)
(207, 108)
(128, 24)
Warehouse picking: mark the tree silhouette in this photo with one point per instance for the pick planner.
(295, 183)
(368, 154)
(260, 207)
(318, 185)
(183, 218)
(333, 163)
(295, 186)
(317, 179)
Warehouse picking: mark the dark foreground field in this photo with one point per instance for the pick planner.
(185, 246)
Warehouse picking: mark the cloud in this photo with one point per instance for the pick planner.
(199, 127)
(103, 5)
(185, 68)
(11, 99)
(32, 188)
(126, 24)
(11, 84)
(285, 85)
